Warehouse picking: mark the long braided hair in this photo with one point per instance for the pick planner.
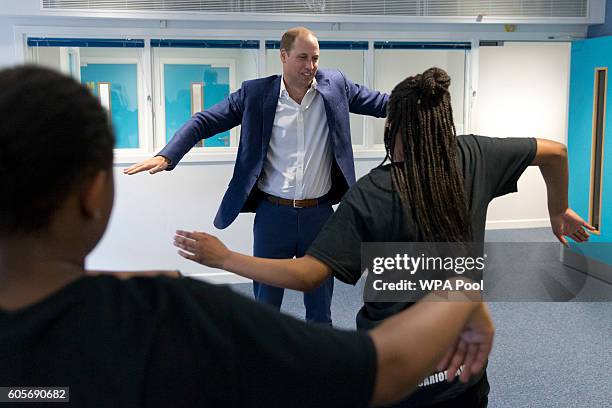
(421, 144)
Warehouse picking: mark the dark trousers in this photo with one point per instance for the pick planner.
(284, 232)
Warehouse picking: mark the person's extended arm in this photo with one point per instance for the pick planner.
(364, 101)
(221, 117)
(551, 158)
(305, 273)
(409, 344)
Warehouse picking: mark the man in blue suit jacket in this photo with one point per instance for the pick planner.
(295, 156)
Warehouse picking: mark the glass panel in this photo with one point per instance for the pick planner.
(350, 62)
(115, 85)
(192, 79)
(179, 96)
(392, 66)
(112, 74)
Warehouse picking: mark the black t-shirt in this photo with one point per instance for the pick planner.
(180, 343)
(372, 212)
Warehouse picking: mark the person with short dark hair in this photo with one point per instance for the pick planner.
(160, 341)
(436, 189)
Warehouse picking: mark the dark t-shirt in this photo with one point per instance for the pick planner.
(372, 212)
(180, 343)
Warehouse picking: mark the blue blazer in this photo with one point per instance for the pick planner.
(254, 106)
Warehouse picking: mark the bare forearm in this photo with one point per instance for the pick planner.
(284, 273)
(556, 179)
(410, 344)
(552, 160)
(303, 273)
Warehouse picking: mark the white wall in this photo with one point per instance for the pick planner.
(148, 209)
(393, 66)
(7, 42)
(523, 92)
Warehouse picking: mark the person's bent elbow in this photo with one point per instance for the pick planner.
(560, 151)
(549, 151)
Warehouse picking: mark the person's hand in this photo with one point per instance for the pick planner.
(202, 248)
(568, 223)
(154, 165)
(472, 347)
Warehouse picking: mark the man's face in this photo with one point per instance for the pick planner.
(301, 63)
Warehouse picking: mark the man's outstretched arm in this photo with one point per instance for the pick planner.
(364, 101)
(219, 118)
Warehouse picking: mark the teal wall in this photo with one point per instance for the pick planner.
(586, 56)
(124, 98)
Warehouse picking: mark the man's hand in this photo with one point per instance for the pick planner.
(202, 248)
(570, 224)
(154, 165)
(472, 347)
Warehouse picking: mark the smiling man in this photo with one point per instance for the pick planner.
(295, 158)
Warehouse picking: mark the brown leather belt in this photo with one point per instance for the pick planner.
(306, 203)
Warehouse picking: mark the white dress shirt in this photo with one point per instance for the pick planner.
(299, 159)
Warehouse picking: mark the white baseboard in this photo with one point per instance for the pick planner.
(516, 224)
(220, 278)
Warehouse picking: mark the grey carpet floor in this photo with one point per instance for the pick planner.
(546, 354)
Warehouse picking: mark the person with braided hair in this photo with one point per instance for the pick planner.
(436, 188)
(425, 152)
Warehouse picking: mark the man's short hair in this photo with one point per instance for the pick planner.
(53, 135)
(289, 37)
